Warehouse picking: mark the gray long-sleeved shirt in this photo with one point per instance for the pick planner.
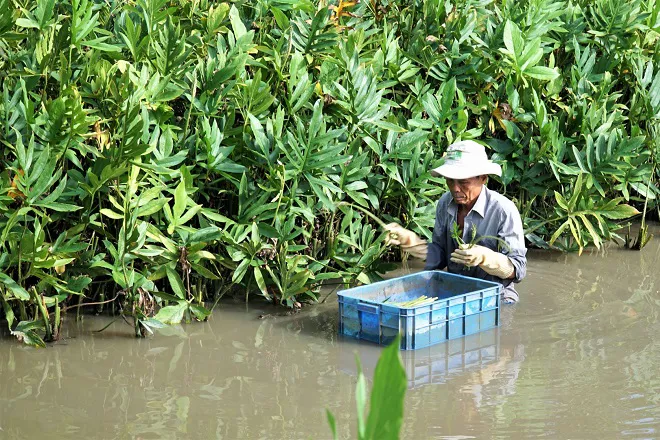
(493, 214)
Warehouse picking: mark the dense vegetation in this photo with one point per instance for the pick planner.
(158, 154)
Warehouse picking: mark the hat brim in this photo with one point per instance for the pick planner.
(452, 171)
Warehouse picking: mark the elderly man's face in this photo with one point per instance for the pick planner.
(466, 191)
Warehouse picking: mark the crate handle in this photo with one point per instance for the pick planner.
(369, 308)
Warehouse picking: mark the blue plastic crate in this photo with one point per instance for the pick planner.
(465, 305)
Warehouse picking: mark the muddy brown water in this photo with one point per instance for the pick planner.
(578, 357)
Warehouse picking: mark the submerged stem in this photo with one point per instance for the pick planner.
(39, 300)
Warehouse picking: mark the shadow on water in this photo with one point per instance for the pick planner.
(319, 322)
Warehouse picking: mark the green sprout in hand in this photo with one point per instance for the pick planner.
(456, 235)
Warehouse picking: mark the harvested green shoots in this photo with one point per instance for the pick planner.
(456, 235)
(420, 301)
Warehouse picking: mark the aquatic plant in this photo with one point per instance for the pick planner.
(159, 155)
(385, 417)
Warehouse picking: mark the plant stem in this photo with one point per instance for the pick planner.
(39, 301)
(58, 321)
(370, 215)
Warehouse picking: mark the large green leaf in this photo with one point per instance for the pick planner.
(172, 314)
(513, 39)
(9, 313)
(542, 73)
(206, 235)
(387, 396)
(200, 312)
(619, 212)
(180, 201)
(361, 400)
(27, 331)
(237, 25)
(18, 291)
(333, 424)
(176, 283)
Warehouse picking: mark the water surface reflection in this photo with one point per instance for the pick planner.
(577, 358)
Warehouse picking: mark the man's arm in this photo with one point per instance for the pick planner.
(436, 258)
(511, 231)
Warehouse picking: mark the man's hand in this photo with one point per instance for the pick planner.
(470, 256)
(408, 240)
(491, 262)
(400, 236)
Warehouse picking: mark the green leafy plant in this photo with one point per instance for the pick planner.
(578, 210)
(385, 416)
(170, 153)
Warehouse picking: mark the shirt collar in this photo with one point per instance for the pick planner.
(479, 206)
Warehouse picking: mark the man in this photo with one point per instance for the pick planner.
(469, 203)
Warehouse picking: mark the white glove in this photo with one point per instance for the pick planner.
(407, 240)
(491, 262)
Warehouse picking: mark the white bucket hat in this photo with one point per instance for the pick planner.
(466, 159)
